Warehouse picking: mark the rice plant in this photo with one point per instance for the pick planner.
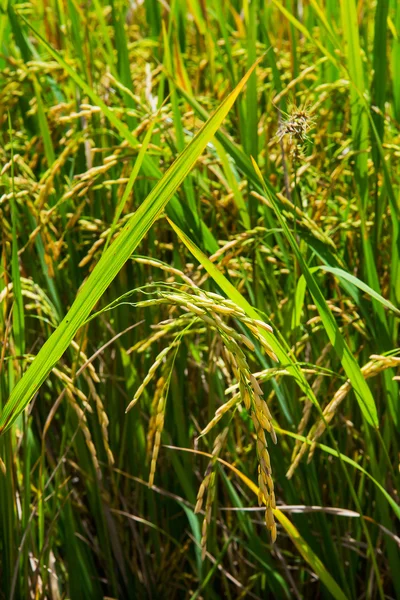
(199, 299)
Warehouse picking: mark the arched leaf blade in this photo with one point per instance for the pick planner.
(351, 367)
(112, 261)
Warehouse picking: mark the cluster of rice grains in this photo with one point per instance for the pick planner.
(376, 365)
(201, 311)
(208, 485)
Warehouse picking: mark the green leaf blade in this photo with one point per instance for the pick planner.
(112, 261)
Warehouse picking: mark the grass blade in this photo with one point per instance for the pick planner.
(349, 363)
(282, 355)
(112, 261)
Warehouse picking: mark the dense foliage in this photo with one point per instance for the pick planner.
(216, 411)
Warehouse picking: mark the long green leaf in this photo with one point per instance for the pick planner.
(18, 312)
(112, 261)
(346, 459)
(349, 363)
(343, 277)
(234, 294)
(361, 285)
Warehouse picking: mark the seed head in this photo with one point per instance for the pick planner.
(296, 126)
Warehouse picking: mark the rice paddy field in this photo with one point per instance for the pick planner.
(199, 299)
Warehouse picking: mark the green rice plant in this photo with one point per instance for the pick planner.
(111, 262)
(224, 266)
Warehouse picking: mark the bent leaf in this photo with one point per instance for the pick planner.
(234, 295)
(361, 285)
(350, 365)
(303, 548)
(346, 459)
